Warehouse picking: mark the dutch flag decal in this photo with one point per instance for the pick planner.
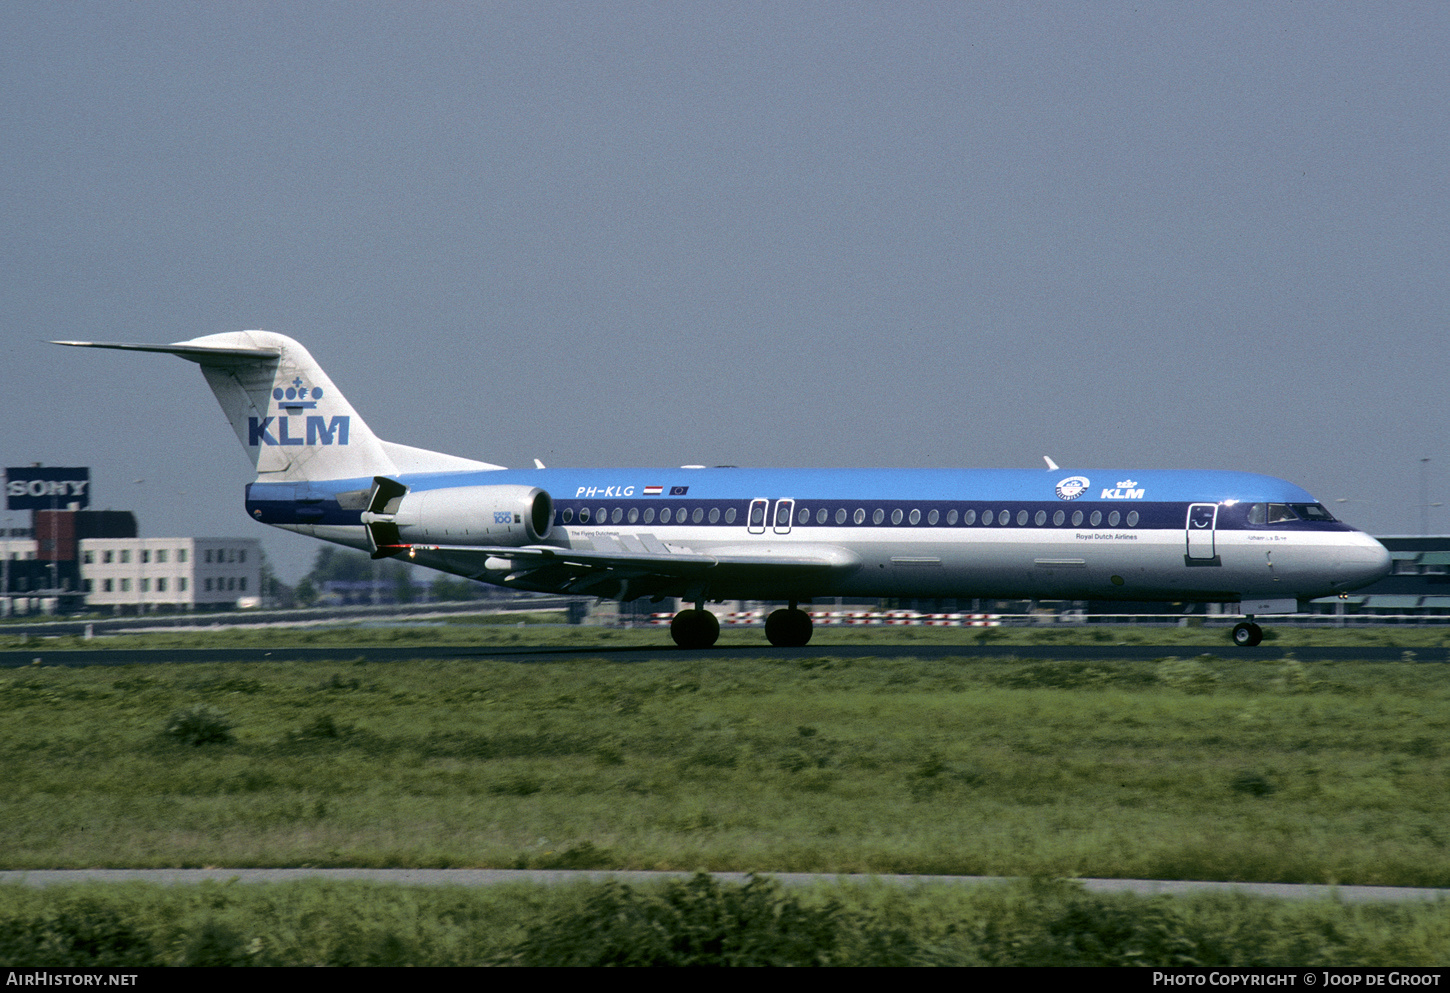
(654, 490)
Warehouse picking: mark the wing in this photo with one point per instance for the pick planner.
(613, 569)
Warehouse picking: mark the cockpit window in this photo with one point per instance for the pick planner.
(1312, 512)
(1277, 513)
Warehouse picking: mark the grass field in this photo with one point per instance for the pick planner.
(493, 630)
(1195, 767)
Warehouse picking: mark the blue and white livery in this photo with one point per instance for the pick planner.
(769, 534)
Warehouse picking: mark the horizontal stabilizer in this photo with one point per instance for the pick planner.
(201, 354)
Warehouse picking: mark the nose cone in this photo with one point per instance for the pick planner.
(1362, 561)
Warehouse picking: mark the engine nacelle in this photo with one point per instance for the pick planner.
(475, 515)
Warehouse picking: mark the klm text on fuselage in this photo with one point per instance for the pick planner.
(319, 431)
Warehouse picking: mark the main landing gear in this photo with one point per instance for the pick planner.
(789, 627)
(1247, 634)
(696, 627)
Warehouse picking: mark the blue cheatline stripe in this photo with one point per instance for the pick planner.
(892, 492)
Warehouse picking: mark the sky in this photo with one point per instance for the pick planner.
(1152, 235)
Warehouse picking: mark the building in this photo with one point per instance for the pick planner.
(71, 558)
(130, 575)
(177, 573)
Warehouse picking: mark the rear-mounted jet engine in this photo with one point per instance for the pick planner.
(459, 515)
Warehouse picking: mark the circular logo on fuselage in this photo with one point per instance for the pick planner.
(1072, 487)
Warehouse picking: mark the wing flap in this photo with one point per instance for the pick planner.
(550, 568)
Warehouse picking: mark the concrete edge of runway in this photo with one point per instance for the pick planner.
(41, 878)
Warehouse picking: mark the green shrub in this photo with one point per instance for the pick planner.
(1252, 783)
(693, 923)
(199, 726)
(1077, 929)
(82, 933)
(324, 728)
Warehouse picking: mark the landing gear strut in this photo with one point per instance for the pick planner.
(1247, 634)
(695, 628)
(789, 627)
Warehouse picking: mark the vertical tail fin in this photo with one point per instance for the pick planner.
(292, 421)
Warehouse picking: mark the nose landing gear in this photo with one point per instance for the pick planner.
(1247, 634)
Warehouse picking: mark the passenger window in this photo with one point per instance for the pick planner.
(1096, 519)
(757, 514)
(987, 518)
(952, 517)
(969, 518)
(714, 515)
(1132, 518)
(1004, 516)
(568, 514)
(729, 515)
(896, 516)
(1077, 518)
(821, 515)
(583, 515)
(601, 515)
(878, 515)
(1021, 518)
(649, 515)
(665, 515)
(914, 517)
(1041, 518)
(698, 515)
(618, 515)
(1058, 518)
(1113, 519)
(860, 516)
(841, 516)
(932, 518)
(633, 515)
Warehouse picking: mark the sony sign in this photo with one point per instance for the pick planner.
(47, 488)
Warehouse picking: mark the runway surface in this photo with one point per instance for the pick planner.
(557, 877)
(669, 653)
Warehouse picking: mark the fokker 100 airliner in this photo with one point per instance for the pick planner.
(711, 534)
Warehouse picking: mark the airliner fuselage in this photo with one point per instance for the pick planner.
(1044, 534)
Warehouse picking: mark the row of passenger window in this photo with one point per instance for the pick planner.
(822, 515)
(679, 515)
